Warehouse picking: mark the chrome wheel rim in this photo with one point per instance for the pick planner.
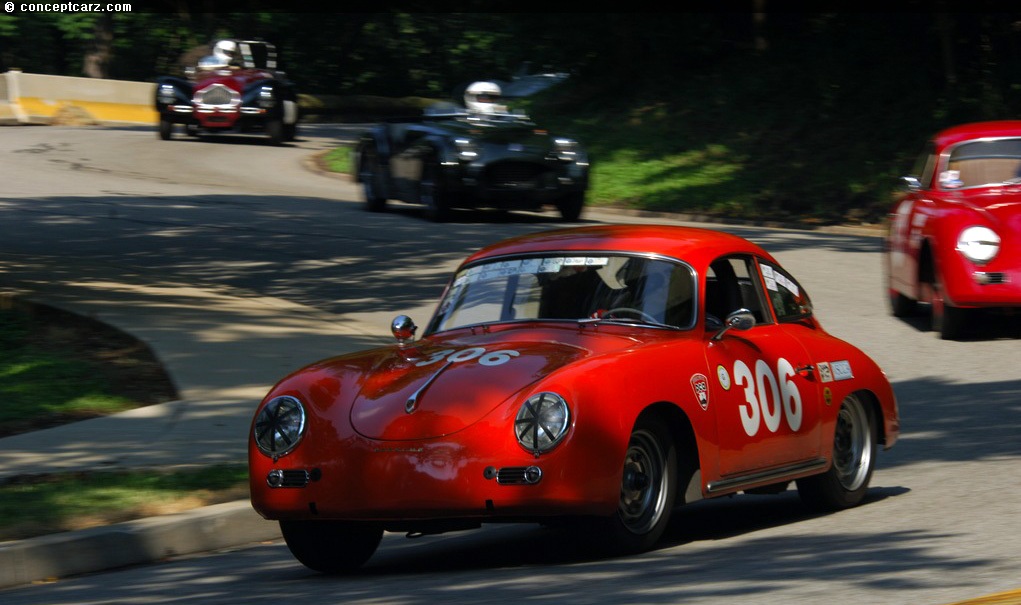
(852, 445)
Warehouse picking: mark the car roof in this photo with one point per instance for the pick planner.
(696, 245)
(977, 130)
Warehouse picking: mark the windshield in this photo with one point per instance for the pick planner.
(570, 286)
(985, 162)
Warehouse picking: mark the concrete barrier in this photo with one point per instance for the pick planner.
(43, 99)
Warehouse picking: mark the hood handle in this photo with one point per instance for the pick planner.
(412, 402)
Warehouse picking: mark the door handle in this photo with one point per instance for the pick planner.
(805, 371)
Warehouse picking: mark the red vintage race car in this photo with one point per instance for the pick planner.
(597, 376)
(236, 89)
(954, 239)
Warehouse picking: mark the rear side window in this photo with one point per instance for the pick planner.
(789, 300)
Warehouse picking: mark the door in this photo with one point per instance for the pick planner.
(765, 393)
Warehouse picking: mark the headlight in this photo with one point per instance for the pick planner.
(279, 426)
(566, 149)
(542, 422)
(266, 98)
(466, 149)
(166, 94)
(978, 244)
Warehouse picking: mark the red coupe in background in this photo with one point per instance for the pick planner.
(598, 377)
(236, 89)
(954, 239)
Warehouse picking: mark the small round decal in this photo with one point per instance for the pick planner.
(723, 376)
(827, 395)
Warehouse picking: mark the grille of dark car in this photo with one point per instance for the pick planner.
(514, 174)
(217, 94)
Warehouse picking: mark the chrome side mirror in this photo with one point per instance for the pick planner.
(740, 320)
(911, 183)
(403, 329)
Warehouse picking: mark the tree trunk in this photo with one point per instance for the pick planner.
(96, 63)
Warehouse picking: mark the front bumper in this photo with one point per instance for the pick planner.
(515, 184)
(470, 477)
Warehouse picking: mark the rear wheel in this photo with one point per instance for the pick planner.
(331, 546)
(947, 320)
(431, 193)
(900, 305)
(854, 457)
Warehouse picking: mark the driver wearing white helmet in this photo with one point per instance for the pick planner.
(483, 98)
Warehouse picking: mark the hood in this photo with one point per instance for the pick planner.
(236, 80)
(1002, 206)
(442, 387)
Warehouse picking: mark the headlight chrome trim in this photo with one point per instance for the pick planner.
(279, 426)
(978, 244)
(542, 422)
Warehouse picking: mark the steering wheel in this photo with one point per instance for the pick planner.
(642, 314)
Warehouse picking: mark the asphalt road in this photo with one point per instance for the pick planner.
(941, 523)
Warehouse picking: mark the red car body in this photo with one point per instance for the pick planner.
(242, 94)
(647, 406)
(954, 239)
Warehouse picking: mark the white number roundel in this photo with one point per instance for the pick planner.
(767, 398)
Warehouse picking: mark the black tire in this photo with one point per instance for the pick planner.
(331, 547)
(854, 458)
(275, 131)
(290, 131)
(166, 129)
(948, 321)
(647, 493)
(431, 193)
(371, 175)
(570, 206)
(900, 305)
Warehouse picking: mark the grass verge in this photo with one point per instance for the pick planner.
(58, 367)
(45, 504)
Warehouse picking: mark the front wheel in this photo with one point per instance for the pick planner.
(331, 547)
(854, 457)
(570, 205)
(431, 193)
(166, 129)
(275, 131)
(370, 174)
(647, 491)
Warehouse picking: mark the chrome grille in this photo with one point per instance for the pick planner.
(217, 94)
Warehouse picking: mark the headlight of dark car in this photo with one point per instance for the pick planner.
(166, 94)
(279, 426)
(266, 98)
(978, 244)
(542, 422)
(467, 151)
(566, 149)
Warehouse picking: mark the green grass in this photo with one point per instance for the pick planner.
(338, 160)
(37, 382)
(32, 506)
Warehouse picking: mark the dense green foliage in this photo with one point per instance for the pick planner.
(771, 113)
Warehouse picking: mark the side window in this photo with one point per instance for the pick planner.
(730, 286)
(789, 300)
